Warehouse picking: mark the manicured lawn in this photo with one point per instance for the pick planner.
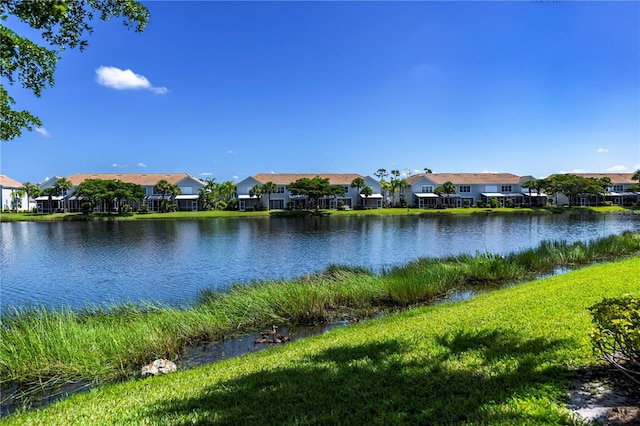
(504, 357)
(35, 217)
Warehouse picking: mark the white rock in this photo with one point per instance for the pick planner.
(158, 367)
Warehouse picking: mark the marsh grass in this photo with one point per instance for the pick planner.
(99, 345)
(501, 358)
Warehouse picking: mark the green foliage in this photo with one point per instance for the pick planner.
(62, 24)
(501, 358)
(616, 335)
(107, 191)
(315, 188)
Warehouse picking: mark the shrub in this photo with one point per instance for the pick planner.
(86, 208)
(494, 203)
(144, 209)
(616, 335)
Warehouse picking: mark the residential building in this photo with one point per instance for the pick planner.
(470, 188)
(13, 195)
(616, 194)
(283, 198)
(186, 201)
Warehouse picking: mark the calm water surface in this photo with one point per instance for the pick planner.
(170, 261)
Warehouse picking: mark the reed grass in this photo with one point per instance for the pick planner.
(501, 358)
(108, 344)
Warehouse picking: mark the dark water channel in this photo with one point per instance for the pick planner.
(170, 261)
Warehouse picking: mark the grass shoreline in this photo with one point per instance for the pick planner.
(504, 357)
(62, 217)
(104, 345)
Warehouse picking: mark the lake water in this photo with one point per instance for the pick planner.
(170, 261)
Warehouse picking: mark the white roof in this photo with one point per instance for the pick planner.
(187, 197)
(492, 194)
(372, 196)
(425, 195)
(246, 197)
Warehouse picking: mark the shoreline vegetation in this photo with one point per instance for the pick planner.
(504, 357)
(105, 345)
(45, 217)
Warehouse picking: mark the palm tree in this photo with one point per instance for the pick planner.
(402, 185)
(367, 192)
(358, 183)
(381, 174)
(529, 184)
(174, 190)
(449, 189)
(50, 192)
(427, 170)
(636, 176)
(257, 191)
(62, 186)
(162, 187)
(269, 188)
(386, 188)
(395, 182)
(31, 190)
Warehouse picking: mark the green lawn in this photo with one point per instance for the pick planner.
(503, 357)
(35, 217)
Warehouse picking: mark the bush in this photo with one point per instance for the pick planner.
(616, 335)
(144, 209)
(494, 203)
(86, 208)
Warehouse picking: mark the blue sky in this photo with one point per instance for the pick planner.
(232, 89)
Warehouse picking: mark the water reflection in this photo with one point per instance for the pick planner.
(170, 261)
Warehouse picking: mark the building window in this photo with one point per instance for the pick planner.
(464, 188)
(426, 189)
(280, 190)
(505, 188)
(618, 188)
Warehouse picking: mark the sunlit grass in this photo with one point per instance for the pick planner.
(102, 345)
(39, 217)
(501, 358)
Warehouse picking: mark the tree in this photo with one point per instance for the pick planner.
(395, 182)
(402, 185)
(358, 183)
(427, 170)
(269, 188)
(449, 189)
(381, 174)
(163, 187)
(367, 191)
(62, 24)
(96, 192)
(50, 192)
(16, 198)
(257, 191)
(62, 186)
(31, 190)
(636, 175)
(529, 184)
(315, 188)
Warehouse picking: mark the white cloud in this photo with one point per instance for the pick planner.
(489, 171)
(235, 177)
(636, 167)
(600, 150)
(119, 166)
(44, 132)
(142, 165)
(618, 168)
(206, 174)
(230, 152)
(125, 80)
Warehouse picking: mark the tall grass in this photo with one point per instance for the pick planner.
(100, 345)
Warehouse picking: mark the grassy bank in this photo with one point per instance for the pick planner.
(503, 357)
(98, 345)
(36, 217)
